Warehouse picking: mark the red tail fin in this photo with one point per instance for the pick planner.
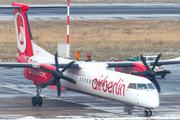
(23, 30)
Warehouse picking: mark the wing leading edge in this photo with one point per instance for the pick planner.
(32, 65)
(131, 64)
(20, 65)
(75, 65)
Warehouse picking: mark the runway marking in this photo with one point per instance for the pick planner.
(25, 91)
(43, 95)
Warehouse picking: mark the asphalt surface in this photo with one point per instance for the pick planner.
(101, 11)
(16, 93)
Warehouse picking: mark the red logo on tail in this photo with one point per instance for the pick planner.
(20, 30)
(21, 36)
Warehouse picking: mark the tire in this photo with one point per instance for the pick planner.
(162, 76)
(150, 113)
(40, 101)
(34, 101)
(145, 113)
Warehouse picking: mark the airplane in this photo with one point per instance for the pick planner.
(91, 78)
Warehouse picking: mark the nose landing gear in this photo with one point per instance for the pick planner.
(37, 100)
(147, 112)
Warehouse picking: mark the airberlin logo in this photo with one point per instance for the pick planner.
(21, 36)
(117, 88)
(20, 31)
(37, 73)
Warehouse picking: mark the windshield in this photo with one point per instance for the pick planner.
(150, 86)
(132, 85)
(141, 86)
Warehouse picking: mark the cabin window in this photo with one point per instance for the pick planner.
(132, 86)
(105, 84)
(99, 83)
(142, 86)
(89, 81)
(150, 86)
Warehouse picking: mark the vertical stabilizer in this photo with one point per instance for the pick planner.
(23, 31)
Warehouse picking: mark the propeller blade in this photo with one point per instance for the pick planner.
(56, 62)
(58, 84)
(163, 72)
(144, 62)
(156, 84)
(47, 83)
(139, 73)
(155, 63)
(46, 69)
(67, 66)
(68, 79)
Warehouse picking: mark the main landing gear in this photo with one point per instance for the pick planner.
(147, 112)
(37, 100)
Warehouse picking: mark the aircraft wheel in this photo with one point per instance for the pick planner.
(34, 101)
(147, 113)
(162, 76)
(40, 101)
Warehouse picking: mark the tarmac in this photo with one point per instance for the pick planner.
(16, 93)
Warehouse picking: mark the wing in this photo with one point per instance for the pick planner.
(120, 64)
(74, 65)
(165, 62)
(32, 65)
(20, 65)
(131, 64)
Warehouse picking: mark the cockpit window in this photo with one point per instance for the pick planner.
(150, 86)
(132, 86)
(142, 86)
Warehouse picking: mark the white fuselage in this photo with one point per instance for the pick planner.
(93, 78)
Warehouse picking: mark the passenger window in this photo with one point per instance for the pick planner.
(99, 83)
(150, 86)
(94, 82)
(132, 86)
(142, 86)
(89, 81)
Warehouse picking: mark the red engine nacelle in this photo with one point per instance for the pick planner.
(37, 75)
(138, 67)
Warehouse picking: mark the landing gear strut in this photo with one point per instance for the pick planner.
(147, 112)
(37, 100)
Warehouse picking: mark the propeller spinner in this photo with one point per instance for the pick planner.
(57, 75)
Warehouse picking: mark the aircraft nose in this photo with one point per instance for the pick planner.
(153, 99)
(150, 99)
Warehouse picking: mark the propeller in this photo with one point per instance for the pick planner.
(57, 75)
(150, 73)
